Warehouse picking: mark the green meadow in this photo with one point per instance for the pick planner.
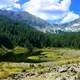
(19, 59)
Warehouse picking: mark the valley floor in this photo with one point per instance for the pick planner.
(47, 64)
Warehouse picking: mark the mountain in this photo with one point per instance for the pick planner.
(27, 18)
(41, 24)
(73, 26)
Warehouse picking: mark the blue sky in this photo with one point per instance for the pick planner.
(22, 1)
(75, 6)
(58, 11)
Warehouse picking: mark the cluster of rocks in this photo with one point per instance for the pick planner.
(20, 76)
(72, 73)
(68, 68)
(69, 78)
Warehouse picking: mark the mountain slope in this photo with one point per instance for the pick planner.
(27, 18)
(19, 34)
(73, 26)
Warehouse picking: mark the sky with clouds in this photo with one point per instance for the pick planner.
(59, 11)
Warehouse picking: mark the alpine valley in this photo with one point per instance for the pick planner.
(33, 49)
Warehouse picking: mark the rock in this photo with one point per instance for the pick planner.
(24, 70)
(62, 78)
(61, 70)
(73, 69)
(20, 76)
(30, 74)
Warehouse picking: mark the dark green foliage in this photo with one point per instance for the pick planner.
(14, 33)
(66, 39)
(5, 42)
(21, 34)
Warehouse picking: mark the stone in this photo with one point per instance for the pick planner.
(61, 70)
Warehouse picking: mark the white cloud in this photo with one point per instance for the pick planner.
(70, 17)
(9, 4)
(50, 9)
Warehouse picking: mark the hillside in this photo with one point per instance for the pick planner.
(19, 34)
(26, 18)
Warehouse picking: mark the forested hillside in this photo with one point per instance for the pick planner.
(14, 33)
(20, 34)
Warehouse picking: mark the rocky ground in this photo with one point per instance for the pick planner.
(64, 72)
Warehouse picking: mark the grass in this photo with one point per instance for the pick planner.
(18, 50)
(58, 55)
(41, 60)
(2, 51)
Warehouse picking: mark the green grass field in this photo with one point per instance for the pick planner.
(40, 60)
